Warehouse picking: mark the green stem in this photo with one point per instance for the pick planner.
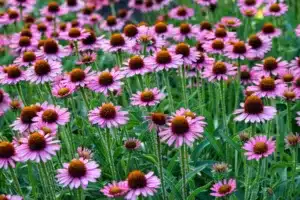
(110, 155)
(289, 118)
(183, 85)
(16, 181)
(48, 87)
(182, 155)
(169, 90)
(85, 99)
(19, 90)
(160, 166)
(47, 180)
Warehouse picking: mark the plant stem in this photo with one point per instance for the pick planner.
(183, 85)
(169, 90)
(19, 90)
(110, 155)
(85, 99)
(160, 165)
(16, 181)
(182, 155)
(289, 119)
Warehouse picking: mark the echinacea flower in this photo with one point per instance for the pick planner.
(275, 9)
(156, 120)
(84, 153)
(11, 75)
(87, 58)
(230, 22)
(73, 5)
(185, 31)
(53, 9)
(132, 144)
(249, 11)
(62, 90)
(51, 116)
(141, 184)
(220, 168)
(203, 61)
(188, 54)
(11, 16)
(124, 14)
(90, 42)
(108, 115)
(38, 147)
(237, 50)
(268, 87)
(199, 120)
(221, 33)
(86, 12)
(250, 3)
(269, 30)
(135, 65)
(15, 104)
(24, 43)
(253, 110)
(215, 46)
(206, 2)
(78, 173)
(10, 197)
(106, 81)
(115, 189)
(292, 140)
(260, 45)
(161, 29)
(26, 59)
(247, 76)
(8, 155)
(43, 71)
(4, 102)
(112, 23)
(117, 43)
(181, 13)
(51, 50)
(219, 71)
(290, 94)
(295, 66)
(271, 66)
(164, 60)
(148, 97)
(131, 31)
(79, 77)
(223, 188)
(259, 147)
(74, 34)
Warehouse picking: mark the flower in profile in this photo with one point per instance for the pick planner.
(74, 34)
(247, 75)
(91, 42)
(11, 75)
(290, 94)
(4, 102)
(115, 189)
(259, 147)
(148, 97)
(25, 122)
(188, 113)
(135, 65)
(73, 5)
(237, 50)
(253, 110)
(185, 31)
(124, 14)
(9, 17)
(221, 33)
(132, 144)
(24, 43)
(43, 71)
(164, 60)
(112, 23)
(106, 81)
(292, 140)
(141, 184)
(108, 116)
(15, 104)
(220, 167)
(53, 9)
(188, 54)
(219, 71)
(161, 29)
(296, 84)
(271, 66)
(79, 77)
(93, 19)
(51, 116)
(117, 43)
(269, 30)
(8, 155)
(181, 13)
(250, 3)
(244, 137)
(268, 87)
(260, 45)
(51, 50)
(26, 59)
(297, 31)
(87, 58)
(78, 173)
(248, 12)
(156, 120)
(62, 90)
(84, 153)
(215, 46)
(230, 22)
(38, 147)
(295, 66)
(223, 188)
(275, 9)
(203, 61)
(10, 197)
(148, 6)
(86, 12)
(131, 31)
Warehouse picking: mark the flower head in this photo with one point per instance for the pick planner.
(259, 147)
(223, 188)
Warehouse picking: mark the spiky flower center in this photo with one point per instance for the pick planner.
(218, 44)
(108, 111)
(219, 68)
(160, 27)
(288, 77)
(185, 28)
(77, 75)
(26, 32)
(50, 116)
(239, 47)
(245, 75)
(205, 25)
(163, 57)
(12, 14)
(180, 125)
(114, 190)
(137, 179)
(292, 140)
(71, 3)
(62, 26)
(87, 59)
(199, 47)
(158, 118)
(267, 84)
(147, 96)
(253, 105)
(268, 28)
(27, 114)
(270, 64)
(136, 62)
(36, 141)
(13, 71)
(74, 33)
(220, 33)
(275, 7)
(77, 168)
(7, 150)
(63, 91)
(260, 148)
(130, 30)
(181, 12)
(250, 2)
(42, 67)
(289, 95)
(117, 40)
(105, 78)
(24, 41)
(255, 42)
(53, 7)
(183, 49)
(149, 3)
(224, 189)
(122, 13)
(130, 144)
(111, 20)
(29, 56)
(50, 46)
(1, 96)
(87, 10)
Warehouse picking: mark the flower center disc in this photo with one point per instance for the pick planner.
(147, 96)
(163, 57)
(255, 42)
(77, 75)
(136, 62)
(137, 179)
(161, 27)
(63, 91)
(130, 144)
(218, 44)
(72, 3)
(50, 46)
(250, 2)
(117, 40)
(288, 77)
(220, 33)
(239, 48)
(181, 12)
(108, 111)
(270, 64)
(183, 49)
(130, 30)
(122, 13)
(205, 25)
(253, 105)
(184, 28)
(41, 67)
(29, 56)
(111, 20)
(74, 33)
(12, 14)
(50, 116)
(114, 190)
(180, 125)
(13, 71)
(158, 118)
(260, 148)
(27, 114)
(24, 41)
(26, 32)
(224, 189)
(275, 7)
(1, 96)
(105, 79)
(219, 68)
(268, 28)
(7, 150)
(245, 75)
(77, 168)
(36, 142)
(53, 7)
(91, 39)
(267, 84)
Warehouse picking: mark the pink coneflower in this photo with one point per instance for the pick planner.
(73, 5)
(275, 9)
(87, 58)
(10, 197)
(253, 110)
(292, 141)
(26, 59)
(185, 31)
(250, 3)
(189, 54)
(290, 94)
(24, 43)
(105, 81)
(181, 13)
(288, 76)
(230, 22)
(37, 147)
(10, 17)
(22, 3)
(108, 115)
(206, 2)
(296, 84)
(219, 71)
(216, 46)
(93, 19)
(268, 87)
(84, 153)
(271, 66)
(43, 71)
(156, 120)
(74, 34)
(41, 29)
(260, 45)
(51, 116)
(259, 147)
(8, 155)
(53, 9)
(117, 43)
(132, 144)
(237, 50)
(62, 90)
(78, 173)
(141, 184)
(297, 31)
(161, 29)
(112, 24)
(137, 4)
(4, 102)
(164, 60)
(203, 61)
(86, 12)
(148, 6)
(25, 122)
(115, 189)
(135, 66)
(124, 14)
(91, 42)
(295, 66)
(221, 33)
(51, 50)
(131, 31)
(269, 30)
(199, 120)
(79, 77)
(180, 130)
(247, 76)
(148, 97)
(223, 188)
(248, 12)
(11, 74)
